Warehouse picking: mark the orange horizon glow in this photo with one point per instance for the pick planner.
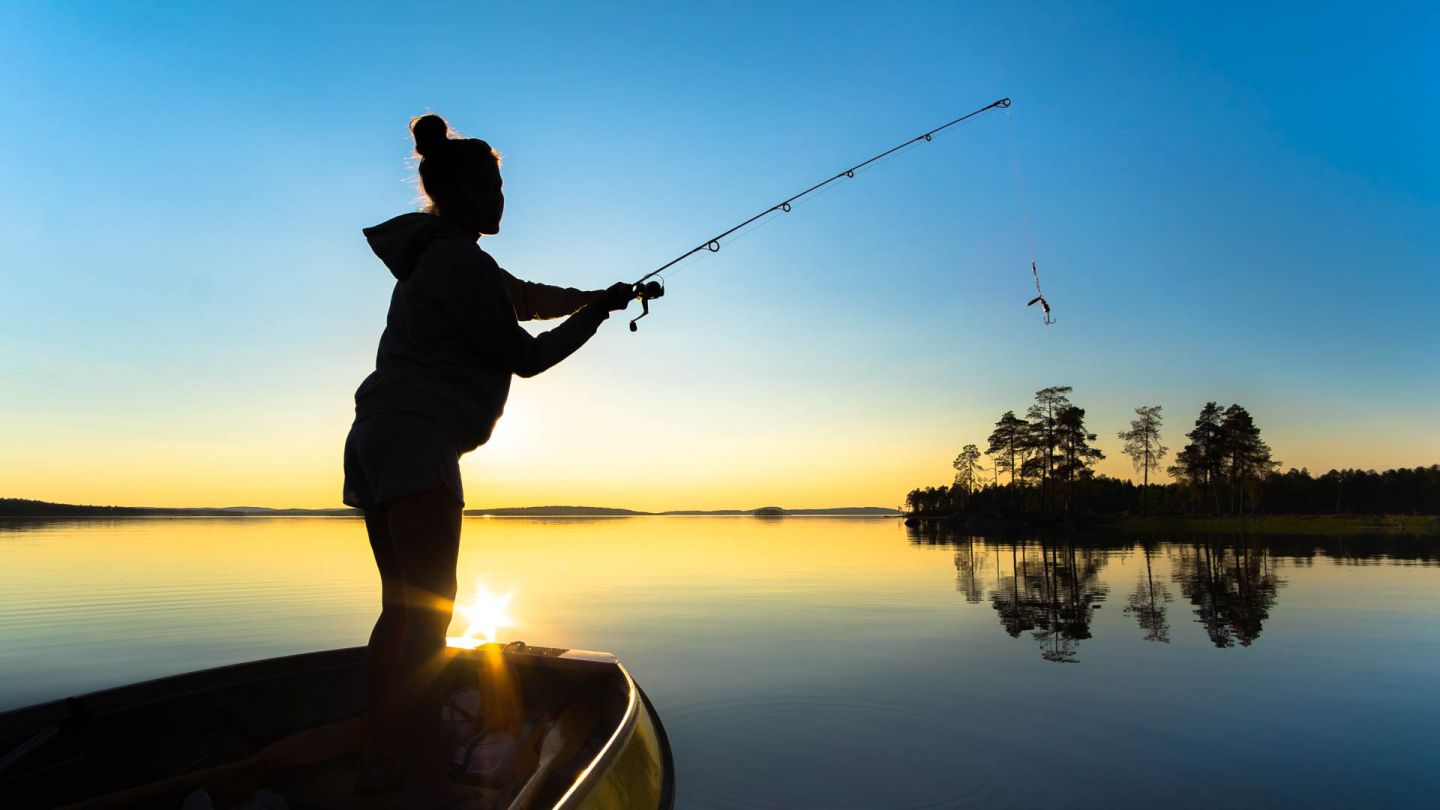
(789, 473)
(750, 450)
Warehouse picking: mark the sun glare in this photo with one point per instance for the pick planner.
(485, 616)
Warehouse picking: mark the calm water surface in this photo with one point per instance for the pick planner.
(839, 663)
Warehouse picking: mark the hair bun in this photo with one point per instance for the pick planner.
(430, 132)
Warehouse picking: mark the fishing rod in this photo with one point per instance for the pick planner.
(647, 290)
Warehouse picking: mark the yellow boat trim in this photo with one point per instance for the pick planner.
(632, 705)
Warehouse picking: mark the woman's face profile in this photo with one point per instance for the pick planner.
(489, 197)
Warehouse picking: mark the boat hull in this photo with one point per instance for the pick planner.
(151, 742)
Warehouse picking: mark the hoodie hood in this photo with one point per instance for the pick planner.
(399, 242)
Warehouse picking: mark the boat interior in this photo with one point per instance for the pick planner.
(240, 736)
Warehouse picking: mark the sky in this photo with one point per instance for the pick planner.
(1225, 203)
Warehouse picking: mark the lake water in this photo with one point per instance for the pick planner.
(838, 663)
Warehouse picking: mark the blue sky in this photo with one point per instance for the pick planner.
(1225, 204)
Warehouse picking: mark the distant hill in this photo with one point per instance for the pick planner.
(856, 511)
(555, 511)
(19, 507)
(775, 511)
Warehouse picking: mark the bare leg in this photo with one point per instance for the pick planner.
(383, 653)
(424, 538)
(382, 658)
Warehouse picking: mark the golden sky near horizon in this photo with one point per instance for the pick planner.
(547, 450)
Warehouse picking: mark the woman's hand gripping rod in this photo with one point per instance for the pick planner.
(645, 289)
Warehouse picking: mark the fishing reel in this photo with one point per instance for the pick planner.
(645, 291)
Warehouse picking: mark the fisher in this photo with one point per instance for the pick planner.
(452, 342)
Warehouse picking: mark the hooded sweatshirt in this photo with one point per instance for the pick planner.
(452, 337)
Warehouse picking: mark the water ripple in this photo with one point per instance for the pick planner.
(823, 750)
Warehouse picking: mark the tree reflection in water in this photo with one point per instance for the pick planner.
(1232, 588)
(969, 560)
(1050, 586)
(1147, 603)
(1053, 591)
(1069, 594)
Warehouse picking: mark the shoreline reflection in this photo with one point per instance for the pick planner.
(1051, 590)
(1233, 588)
(1050, 586)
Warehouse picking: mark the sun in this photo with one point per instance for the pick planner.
(485, 616)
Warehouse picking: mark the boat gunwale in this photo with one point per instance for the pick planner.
(667, 779)
(595, 772)
(608, 752)
(164, 688)
(22, 723)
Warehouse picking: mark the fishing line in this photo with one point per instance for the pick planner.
(1025, 221)
(645, 289)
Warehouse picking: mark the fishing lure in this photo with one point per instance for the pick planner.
(1040, 298)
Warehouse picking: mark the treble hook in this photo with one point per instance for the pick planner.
(1040, 297)
(1045, 305)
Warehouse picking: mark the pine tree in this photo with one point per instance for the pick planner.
(1246, 457)
(967, 470)
(1142, 445)
(1041, 430)
(1075, 455)
(1007, 446)
(1200, 462)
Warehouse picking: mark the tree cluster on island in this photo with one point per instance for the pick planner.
(1043, 464)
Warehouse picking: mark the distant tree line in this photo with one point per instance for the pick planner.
(1414, 491)
(1044, 463)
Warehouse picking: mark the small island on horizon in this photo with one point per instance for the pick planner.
(23, 508)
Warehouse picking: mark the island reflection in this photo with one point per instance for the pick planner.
(1050, 587)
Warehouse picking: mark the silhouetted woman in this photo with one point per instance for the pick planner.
(451, 343)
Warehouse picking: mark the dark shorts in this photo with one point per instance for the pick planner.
(394, 454)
